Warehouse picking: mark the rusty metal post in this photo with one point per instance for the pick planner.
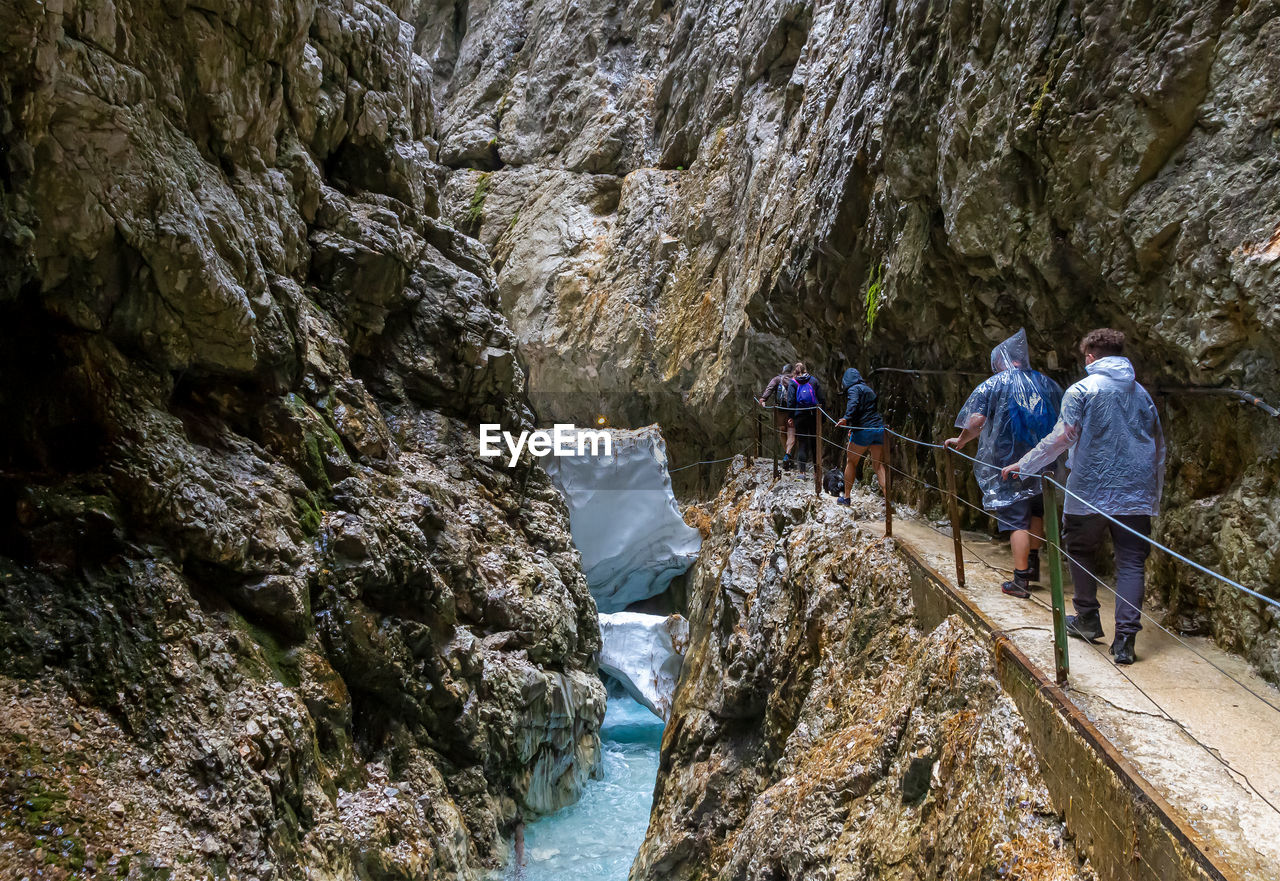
(888, 484)
(817, 452)
(953, 511)
(1051, 514)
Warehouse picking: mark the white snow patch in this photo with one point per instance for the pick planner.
(624, 519)
(644, 653)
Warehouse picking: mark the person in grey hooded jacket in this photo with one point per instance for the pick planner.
(1111, 427)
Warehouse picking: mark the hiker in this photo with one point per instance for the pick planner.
(1110, 425)
(866, 431)
(807, 401)
(1009, 413)
(780, 394)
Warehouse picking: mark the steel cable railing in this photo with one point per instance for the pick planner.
(950, 494)
(1052, 487)
(1119, 599)
(1044, 477)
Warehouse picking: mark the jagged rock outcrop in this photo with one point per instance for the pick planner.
(624, 519)
(680, 197)
(264, 612)
(818, 734)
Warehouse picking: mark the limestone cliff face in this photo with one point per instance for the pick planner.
(681, 196)
(818, 734)
(264, 612)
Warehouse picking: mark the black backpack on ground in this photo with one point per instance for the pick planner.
(833, 481)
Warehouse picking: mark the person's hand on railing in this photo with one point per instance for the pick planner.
(952, 443)
(1011, 471)
(841, 423)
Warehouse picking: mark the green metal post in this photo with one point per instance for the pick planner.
(1051, 520)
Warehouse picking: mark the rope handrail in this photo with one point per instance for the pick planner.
(709, 461)
(1171, 718)
(1057, 545)
(1197, 566)
(1200, 567)
(1145, 614)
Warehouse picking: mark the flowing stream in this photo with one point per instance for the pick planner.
(596, 839)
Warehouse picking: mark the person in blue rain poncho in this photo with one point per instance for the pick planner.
(1112, 429)
(1009, 414)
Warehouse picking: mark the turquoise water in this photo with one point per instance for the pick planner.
(597, 838)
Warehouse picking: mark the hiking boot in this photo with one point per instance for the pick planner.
(1122, 649)
(786, 462)
(1018, 587)
(1087, 627)
(841, 500)
(1033, 567)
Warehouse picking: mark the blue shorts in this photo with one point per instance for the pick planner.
(866, 437)
(1018, 515)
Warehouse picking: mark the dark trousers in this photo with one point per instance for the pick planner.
(1081, 537)
(806, 434)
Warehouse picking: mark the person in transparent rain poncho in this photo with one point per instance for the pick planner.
(1009, 414)
(1112, 428)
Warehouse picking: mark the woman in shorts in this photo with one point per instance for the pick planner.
(865, 431)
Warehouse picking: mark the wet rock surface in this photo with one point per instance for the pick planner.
(681, 197)
(246, 542)
(817, 733)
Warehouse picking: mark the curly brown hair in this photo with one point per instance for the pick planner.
(1102, 342)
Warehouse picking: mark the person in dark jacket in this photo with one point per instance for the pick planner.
(808, 400)
(780, 395)
(866, 430)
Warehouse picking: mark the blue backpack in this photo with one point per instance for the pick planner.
(805, 396)
(1031, 415)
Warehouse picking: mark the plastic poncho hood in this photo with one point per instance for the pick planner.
(1020, 406)
(1012, 353)
(1112, 428)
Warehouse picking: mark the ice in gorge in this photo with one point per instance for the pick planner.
(624, 519)
(644, 653)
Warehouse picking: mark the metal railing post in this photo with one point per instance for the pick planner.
(953, 511)
(1051, 515)
(817, 452)
(888, 484)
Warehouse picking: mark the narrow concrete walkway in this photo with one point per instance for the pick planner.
(1206, 744)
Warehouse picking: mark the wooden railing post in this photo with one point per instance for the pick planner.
(1051, 521)
(953, 511)
(817, 451)
(888, 484)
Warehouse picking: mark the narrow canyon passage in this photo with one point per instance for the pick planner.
(597, 838)
(271, 269)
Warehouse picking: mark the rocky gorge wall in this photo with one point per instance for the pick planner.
(264, 613)
(681, 196)
(817, 733)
